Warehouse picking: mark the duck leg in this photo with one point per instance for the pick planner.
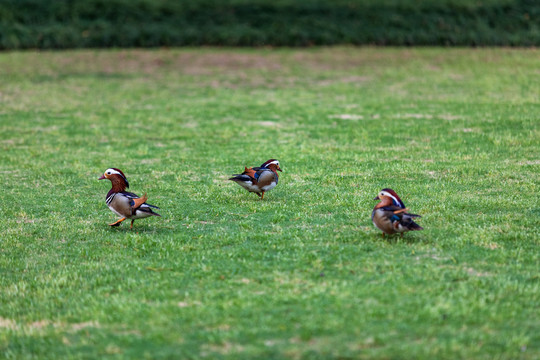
(262, 195)
(117, 223)
(131, 227)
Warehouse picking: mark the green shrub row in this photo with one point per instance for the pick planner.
(53, 24)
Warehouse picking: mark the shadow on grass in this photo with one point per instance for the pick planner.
(146, 228)
(397, 239)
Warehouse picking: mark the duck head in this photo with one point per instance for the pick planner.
(117, 178)
(389, 195)
(272, 164)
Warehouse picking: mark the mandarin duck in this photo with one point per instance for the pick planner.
(390, 214)
(125, 204)
(259, 179)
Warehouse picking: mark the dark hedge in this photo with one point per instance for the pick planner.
(54, 24)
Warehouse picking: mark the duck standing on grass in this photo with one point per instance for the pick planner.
(390, 214)
(259, 179)
(125, 204)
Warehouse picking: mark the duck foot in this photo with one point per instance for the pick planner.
(117, 223)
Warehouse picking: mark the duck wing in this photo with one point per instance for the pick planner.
(137, 202)
(249, 174)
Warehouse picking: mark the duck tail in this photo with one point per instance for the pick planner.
(414, 226)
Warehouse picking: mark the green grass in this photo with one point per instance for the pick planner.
(302, 274)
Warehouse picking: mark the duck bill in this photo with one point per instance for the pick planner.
(102, 177)
(279, 169)
(377, 198)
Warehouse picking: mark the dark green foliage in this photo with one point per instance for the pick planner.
(150, 23)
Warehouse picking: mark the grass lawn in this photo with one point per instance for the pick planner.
(302, 274)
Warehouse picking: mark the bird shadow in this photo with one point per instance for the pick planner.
(398, 239)
(144, 229)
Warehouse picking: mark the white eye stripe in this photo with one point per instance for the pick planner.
(384, 193)
(112, 171)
